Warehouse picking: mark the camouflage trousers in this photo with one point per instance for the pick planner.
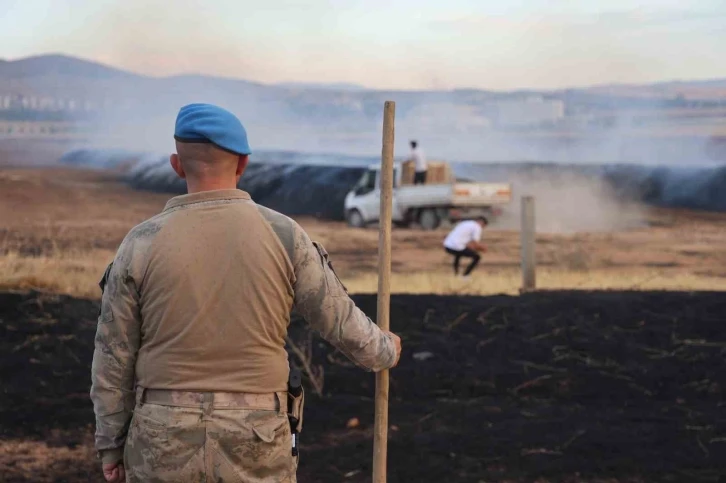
(200, 441)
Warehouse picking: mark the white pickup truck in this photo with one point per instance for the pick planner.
(425, 204)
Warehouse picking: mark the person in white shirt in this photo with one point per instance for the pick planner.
(419, 162)
(464, 241)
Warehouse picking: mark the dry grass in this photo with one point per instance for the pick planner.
(44, 460)
(77, 274)
(509, 282)
(61, 227)
(71, 273)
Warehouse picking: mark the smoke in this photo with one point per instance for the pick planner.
(584, 166)
(568, 198)
(293, 188)
(582, 126)
(571, 202)
(675, 187)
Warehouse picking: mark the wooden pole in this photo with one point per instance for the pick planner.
(528, 244)
(380, 434)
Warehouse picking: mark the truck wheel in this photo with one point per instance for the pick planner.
(429, 220)
(355, 219)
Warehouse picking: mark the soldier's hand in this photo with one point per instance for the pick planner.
(114, 472)
(397, 343)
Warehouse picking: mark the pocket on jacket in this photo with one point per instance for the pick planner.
(335, 286)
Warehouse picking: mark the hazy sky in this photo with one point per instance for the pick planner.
(442, 44)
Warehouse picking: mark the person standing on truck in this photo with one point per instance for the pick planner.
(464, 241)
(419, 162)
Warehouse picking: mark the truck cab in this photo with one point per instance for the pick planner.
(362, 203)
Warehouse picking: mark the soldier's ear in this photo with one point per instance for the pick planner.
(177, 166)
(242, 164)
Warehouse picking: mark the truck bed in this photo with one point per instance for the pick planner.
(457, 194)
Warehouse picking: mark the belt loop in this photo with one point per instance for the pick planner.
(281, 403)
(140, 391)
(207, 406)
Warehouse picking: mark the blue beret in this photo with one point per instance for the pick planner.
(206, 123)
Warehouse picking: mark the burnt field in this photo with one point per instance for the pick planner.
(556, 387)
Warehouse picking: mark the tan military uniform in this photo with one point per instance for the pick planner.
(190, 340)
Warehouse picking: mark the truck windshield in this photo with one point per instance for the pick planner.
(367, 183)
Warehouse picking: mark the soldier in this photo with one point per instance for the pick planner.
(190, 372)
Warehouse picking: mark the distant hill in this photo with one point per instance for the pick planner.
(56, 64)
(695, 89)
(52, 65)
(333, 86)
(695, 83)
(64, 65)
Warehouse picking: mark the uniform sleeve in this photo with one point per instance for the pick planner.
(114, 358)
(323, 302)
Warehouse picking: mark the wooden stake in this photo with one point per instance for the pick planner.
(528, 245)
(380, 434)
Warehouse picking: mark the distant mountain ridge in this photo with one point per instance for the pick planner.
(333, 86)
(58, 64)
(61, 64)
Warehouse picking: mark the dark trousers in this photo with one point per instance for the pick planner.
(419, 177)
(465, 253)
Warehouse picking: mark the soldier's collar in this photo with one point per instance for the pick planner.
(202, 196)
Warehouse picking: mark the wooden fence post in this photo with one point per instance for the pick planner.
(528, 235)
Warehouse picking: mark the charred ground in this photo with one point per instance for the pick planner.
(561, 386)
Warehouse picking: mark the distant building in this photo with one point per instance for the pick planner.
(528, 112)
(447, 115)
(47, 104)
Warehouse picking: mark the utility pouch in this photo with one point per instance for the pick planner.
(295, 403)
(295, 410)
(295, 400)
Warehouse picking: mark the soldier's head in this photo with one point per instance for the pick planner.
(482, 220)
(211, 146)
(414, 144)
(200, 161)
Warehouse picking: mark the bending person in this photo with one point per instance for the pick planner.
(464, 241)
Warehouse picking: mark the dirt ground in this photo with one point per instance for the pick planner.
(547, 387)
(619, 386)
(65, 209)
